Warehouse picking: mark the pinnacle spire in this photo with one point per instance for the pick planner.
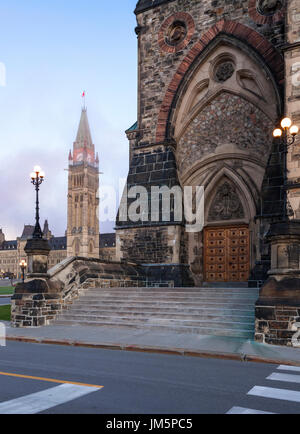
(83, 147)
(84, 137)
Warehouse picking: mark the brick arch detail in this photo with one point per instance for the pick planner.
(271, 56)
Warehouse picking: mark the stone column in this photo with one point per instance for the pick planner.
(37, 301)
(278, 307)
(37, 250)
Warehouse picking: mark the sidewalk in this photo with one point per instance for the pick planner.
(126, 339)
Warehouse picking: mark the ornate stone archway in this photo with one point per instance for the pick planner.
(261, 47)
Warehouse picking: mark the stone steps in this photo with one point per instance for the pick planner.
(205, 331)
(172, 304)
(171, 296)
(130, 310)
(140, 316)
(153, 320)
(173, 300)
(205, 311)
(154, 291)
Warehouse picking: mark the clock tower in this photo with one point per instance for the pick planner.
(83, 201)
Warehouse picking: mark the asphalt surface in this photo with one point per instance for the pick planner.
(4, 301)
(4, 282)
(138, 383)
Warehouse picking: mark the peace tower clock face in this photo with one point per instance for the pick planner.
(79, 157)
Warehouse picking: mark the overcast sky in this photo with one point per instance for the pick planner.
(52, 51)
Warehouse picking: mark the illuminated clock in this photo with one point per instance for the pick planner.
(79, 157)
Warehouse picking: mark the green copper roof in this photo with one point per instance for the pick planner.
(133, 127)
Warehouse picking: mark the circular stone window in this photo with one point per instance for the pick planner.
(176, 33)
(268, 7)
(224, 71)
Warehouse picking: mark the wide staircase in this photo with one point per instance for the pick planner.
(205, 311)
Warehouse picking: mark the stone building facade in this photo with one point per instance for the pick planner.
(12, 252)
(214, 79)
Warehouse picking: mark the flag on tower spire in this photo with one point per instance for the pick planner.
(83, 97)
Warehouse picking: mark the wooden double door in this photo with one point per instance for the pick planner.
(227, 254)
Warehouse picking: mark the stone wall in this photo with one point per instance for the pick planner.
(229, 119)
(153, 245)
(35, 310)
(150, 239)
(107, 253)
(149, 167)
(278, 325)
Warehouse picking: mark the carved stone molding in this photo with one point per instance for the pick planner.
(226, 205)
(224, 71)
(266, 12)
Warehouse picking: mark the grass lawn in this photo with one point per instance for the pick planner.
(6, 290)
(5, 313)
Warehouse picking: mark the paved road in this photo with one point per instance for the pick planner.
(4, 282)
(4, 301)
(138, 383)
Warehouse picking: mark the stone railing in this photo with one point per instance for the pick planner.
(38, 301)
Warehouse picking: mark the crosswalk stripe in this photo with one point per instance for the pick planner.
(284, 377)
(41, 401)
(269, 392)
(289, 368)
(241, 410)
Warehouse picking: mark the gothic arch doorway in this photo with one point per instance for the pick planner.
(227, 235)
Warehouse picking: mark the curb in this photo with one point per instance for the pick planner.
(155, 350)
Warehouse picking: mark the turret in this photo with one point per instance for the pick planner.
(2, 238)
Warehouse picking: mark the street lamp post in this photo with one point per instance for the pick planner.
(37, 177)
(23, 265)
(37, 248)
(287, 133)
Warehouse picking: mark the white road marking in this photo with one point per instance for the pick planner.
(289, 368)
(41, 401)
(241, 410)
(284, 377)
(269, 392)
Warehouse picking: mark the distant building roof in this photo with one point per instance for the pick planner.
(27, 232)
(107, 240)
(58, 243)
(9, 245)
